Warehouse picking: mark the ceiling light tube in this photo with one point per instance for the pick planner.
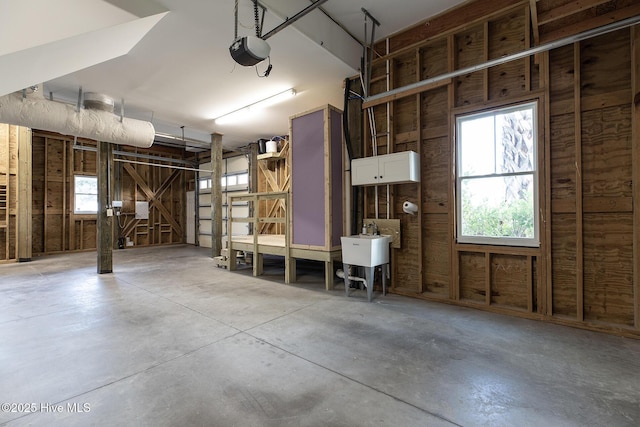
(243, 112)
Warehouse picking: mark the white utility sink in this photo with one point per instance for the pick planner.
(365, 250)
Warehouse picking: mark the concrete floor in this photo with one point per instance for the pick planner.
(170, 340)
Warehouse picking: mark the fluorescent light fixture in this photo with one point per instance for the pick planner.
(247, 111)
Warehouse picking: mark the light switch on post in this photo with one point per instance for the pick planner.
(109, 212)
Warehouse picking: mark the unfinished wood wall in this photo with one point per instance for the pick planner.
(56, 228)
(583, 272)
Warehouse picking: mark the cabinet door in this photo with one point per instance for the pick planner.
(364, 171)
(393, 168)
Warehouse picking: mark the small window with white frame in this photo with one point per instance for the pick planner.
(497, 177)
(85, 194)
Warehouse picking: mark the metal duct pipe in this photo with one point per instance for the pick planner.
(34, 111)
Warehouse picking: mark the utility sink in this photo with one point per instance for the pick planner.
(365, 250)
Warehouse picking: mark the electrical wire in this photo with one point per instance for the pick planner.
(267, 71)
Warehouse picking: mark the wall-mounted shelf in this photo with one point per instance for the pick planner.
(275, 156)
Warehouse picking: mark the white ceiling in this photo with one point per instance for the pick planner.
(169, 59)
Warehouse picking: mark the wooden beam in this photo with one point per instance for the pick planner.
(25, 201)
(535, 23)
(405, 93)
(588, 24)
(568, 9)
(105, 223)
(216, 196)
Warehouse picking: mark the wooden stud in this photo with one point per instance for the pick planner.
(454, 260)
(527, 45)
(635, 150)
(533, 9)
(485, 53)
(545, 296)
(531, 284)
(419, 113)
(487, 277)
(578, 178)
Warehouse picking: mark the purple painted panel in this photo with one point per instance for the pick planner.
(307, 179)
(336, 177)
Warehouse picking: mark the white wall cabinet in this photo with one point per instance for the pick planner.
(394, 168)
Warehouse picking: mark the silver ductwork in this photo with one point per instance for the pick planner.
(95, 121)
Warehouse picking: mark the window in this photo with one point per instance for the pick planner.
(205, 183)
(497, 177)
(86, 194)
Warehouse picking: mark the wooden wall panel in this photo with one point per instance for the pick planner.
(434, 59)
(608, 275)
(435, 238)
(435, 177)
(563, 160)
(561, 78)
(404, 69)
(472, 276)
(435, 110)
(583, 272)
(606, 152)
(506, 37)
(469, 51)
(405, 114)
(563, 250)
(408, 258)
(605, 64)
(510, 281)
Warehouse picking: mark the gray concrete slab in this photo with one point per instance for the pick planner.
(168, 339)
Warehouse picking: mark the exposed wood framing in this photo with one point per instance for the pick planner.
(582, 272)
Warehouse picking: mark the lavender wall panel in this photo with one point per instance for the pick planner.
(307, 179)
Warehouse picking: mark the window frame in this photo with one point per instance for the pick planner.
(75, 195)
(533, 242)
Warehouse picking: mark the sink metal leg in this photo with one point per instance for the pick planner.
(369, 274)
(347, 282)
(385, 275)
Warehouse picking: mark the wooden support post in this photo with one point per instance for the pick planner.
(105, 223)
(24, 204)
(216, 195)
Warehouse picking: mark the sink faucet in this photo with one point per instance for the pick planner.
(375, 228)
